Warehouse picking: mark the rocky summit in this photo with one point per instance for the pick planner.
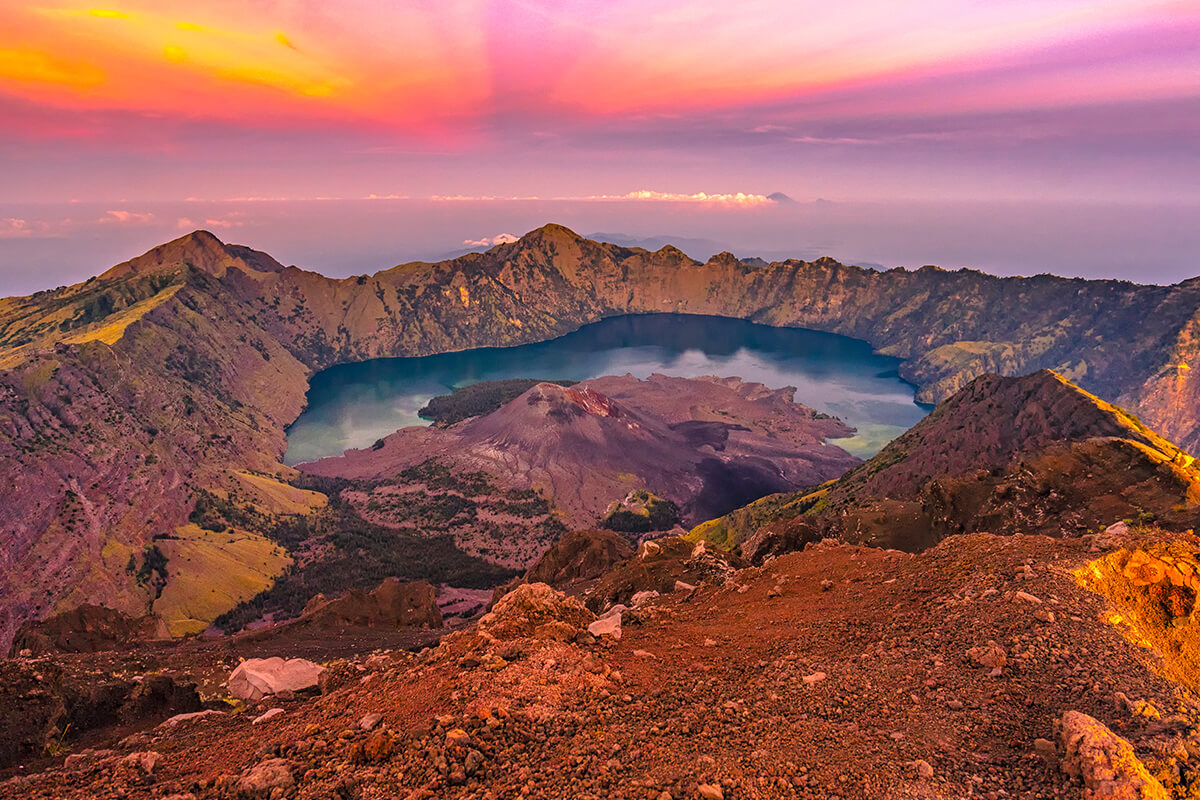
(625, 587)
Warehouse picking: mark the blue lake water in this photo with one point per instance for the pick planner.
(352, 405)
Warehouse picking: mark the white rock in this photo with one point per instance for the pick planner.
(680, 586)
(608, 625)
(255, 678)
(641, 598)
(178, 718)
(270, 713)
(814, 679)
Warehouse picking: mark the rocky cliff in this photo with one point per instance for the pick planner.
(123, 396)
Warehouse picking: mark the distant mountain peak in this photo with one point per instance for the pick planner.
(200, 250)
(780, 198)
(552, 231)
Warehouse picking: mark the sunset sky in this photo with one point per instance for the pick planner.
(589, 100)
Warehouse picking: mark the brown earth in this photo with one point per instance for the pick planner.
(838, 672)
(123, 396)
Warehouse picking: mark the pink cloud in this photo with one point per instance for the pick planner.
(126, 218)
(12, 228)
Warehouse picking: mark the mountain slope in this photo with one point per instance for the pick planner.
(590, 444)
(1033, 454)
(123, 396)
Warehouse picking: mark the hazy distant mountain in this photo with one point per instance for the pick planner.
(696, 248)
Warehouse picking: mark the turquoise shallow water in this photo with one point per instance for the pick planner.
(352, 405)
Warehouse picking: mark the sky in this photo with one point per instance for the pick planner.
(658, 117)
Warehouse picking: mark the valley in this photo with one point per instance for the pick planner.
(556, 550)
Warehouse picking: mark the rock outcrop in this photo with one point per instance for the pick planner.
(85, 629)
(662, 565)
(393, 603)
(535, 610)
(1104, 762)
(574, 562)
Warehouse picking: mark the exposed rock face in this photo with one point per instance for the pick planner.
(393, 602)
(662, 565)
(1153, 590)
(579, 555)
(575, 561)
(595, 442)
(1104, 762)
(1034, 454)
(121, 396)
(85, 629)
(33, 708)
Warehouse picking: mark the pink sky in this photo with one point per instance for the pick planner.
(160, 99)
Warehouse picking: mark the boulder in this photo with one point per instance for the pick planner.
(256, 678)
(530, 607)
(1104, 762)
(263, 779)
(609, 624)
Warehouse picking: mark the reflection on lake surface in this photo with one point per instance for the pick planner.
(352, 405)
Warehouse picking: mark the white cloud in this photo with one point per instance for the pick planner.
(502, 238)
(126, 218)
(738, 199)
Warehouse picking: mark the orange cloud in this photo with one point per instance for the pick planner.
(35, 66)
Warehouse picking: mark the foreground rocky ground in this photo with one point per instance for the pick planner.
(837, 672)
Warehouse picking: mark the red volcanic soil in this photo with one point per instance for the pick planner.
(838, 672)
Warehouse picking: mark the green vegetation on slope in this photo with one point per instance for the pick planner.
(478, 399)
(338, 549)
(641, 512)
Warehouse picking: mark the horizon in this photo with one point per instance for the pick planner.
(1144, 244)
(126, 123)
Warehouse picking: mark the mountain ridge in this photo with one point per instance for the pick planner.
(123, 396)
